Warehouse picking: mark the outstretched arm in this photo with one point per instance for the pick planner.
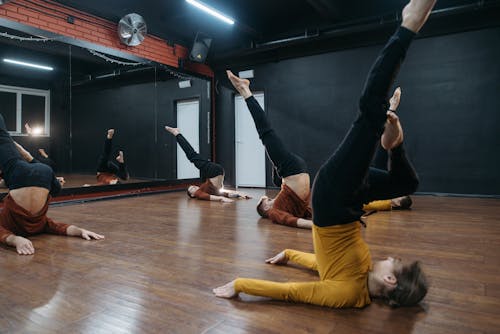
(307, 260)
(220, 199)
(199, 194)
(23, 245)
(285, 218)
(234, 194)
(75, 231)
(382, 205)
(53, 227)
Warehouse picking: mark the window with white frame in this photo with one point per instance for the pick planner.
(25, 105)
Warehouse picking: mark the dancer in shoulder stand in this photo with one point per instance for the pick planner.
(211, 173)
(291, 206)
(348, 278)
(110, 172)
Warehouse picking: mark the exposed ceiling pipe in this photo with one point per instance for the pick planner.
(368, 24)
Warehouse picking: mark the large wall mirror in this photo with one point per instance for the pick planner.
(62, 110)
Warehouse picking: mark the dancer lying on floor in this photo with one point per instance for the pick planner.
(211, 173)
(25, 207)
(348, 278)
(109, 172)
(291, 206)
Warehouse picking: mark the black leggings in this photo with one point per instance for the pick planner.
(285, 163)
(104, 165)
(47, 161)
(33, 147)
(207, 168)
(17, 172)
(346, 181)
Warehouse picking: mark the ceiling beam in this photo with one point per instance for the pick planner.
(326, 8)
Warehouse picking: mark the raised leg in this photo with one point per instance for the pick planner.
(341, 182)
(207, 168)
(285, 162)
(103, 161)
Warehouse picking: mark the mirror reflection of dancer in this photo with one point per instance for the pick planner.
(291, 206)
(344, 182)
(25, 206)
(109, 172)
(40, 154)
(29, 158)
(212, 174)
(26, 155)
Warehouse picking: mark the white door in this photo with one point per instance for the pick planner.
(188, 121)
(250, 153)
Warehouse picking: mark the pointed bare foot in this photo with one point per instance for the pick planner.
(28, 128)
(174, 131)
(120, 157)
(111, 132)
(241, 85)
(225, 291)
(393, 132)
(43, 153)
(395, 99)
(415, 14)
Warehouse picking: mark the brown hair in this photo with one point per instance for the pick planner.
(406, 202)
(260, 208)
(189, 194)
(412, 286)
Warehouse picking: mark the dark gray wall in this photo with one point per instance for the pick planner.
(449, 109)
(137, 108)
(57, 145)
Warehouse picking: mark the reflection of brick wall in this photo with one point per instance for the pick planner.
(52, 17)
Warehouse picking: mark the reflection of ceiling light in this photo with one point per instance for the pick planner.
(37, 131)
(22, 63)
(211, 11)
(248, 74)
(3, 1)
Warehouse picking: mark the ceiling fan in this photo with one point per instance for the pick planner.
(132, 29)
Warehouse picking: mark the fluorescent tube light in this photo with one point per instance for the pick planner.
(22, 63)
(211, 11)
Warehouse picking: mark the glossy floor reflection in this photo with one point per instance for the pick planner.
(164, 253)
(87, 180)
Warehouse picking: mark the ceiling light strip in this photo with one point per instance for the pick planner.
(211, 11)
(22, 63)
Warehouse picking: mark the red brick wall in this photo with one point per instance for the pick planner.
(53, 17)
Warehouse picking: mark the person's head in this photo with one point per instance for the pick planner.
(401, 284)
(264, 205)
(191, 190)
(401, 203)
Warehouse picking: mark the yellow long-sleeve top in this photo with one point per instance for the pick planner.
(342, 259)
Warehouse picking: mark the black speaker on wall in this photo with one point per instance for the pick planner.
(201, 46)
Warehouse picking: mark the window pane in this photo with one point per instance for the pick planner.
(8, 103)
(33, 112)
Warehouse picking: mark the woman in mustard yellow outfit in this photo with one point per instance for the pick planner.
(344, 182)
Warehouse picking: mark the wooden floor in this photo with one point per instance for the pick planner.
(163, 254)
